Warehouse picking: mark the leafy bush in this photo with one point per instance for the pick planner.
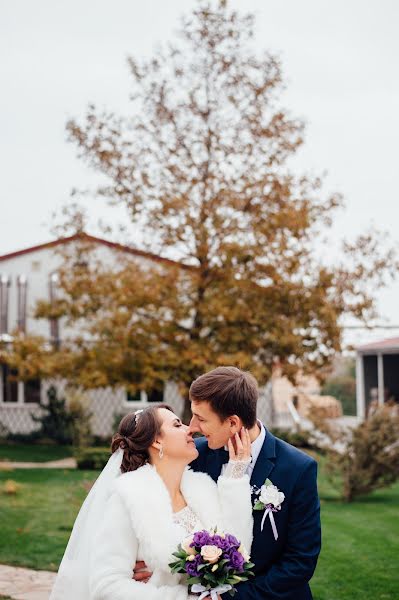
(299, 438)
(55, 420)
(65, 422)
(78, 408)
(92, 458)
(4, 433)
(342, 384)
(33, 437)
(344, 389)
(371, 459)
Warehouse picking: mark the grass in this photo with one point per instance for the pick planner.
(359, 549)
(360, 540)
(37, 521)
(33, 452)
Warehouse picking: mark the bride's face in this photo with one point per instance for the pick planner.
(177, 442)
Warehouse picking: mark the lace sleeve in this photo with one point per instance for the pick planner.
(236, 468)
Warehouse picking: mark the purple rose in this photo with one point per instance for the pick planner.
(201, 538)
(191, 566)
(220, 542)
(232, 542)
(236, 560)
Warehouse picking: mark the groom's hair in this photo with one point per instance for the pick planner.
(229, 391)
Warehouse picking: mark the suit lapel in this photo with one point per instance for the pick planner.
(265, 461)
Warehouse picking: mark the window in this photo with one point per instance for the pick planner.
(139, 396)
(9, 385)
(13, 391)
(32, 390)
(155, 395)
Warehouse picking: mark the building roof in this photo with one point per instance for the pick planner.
(387, 345)
(91, 238)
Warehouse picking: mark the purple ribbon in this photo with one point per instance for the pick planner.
(269, 510)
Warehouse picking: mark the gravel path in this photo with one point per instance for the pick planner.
(64, 463)
(25, 584)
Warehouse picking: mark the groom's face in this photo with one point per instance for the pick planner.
(207, 422)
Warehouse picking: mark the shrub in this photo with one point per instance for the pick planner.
(342, 384)
(299, 438)
(63, 421)
(55, 420)
(371, 459)
(32, 437)
(78, 408)
(4, 433)
(92, 458)
(344, 389)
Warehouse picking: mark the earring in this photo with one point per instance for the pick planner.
(161, 452)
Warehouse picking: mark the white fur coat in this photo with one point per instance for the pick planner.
(138, 525)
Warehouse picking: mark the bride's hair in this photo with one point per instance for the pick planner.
(135, 435)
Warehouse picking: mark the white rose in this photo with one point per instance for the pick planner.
(242, 550)
(186, 545)
(271, 495)
(211, 553)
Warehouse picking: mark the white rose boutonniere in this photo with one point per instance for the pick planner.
(270, 500)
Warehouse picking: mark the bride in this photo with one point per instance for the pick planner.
(144, 503)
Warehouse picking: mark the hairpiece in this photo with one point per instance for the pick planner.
(137, 415)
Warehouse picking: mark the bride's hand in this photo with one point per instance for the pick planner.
(242, 450)
(141, 572)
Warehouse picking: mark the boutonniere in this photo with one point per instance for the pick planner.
(269, 498)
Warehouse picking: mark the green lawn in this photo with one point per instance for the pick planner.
(36, 523)
(33, 452)
(360, 540)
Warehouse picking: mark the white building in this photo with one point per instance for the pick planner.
(27, 276)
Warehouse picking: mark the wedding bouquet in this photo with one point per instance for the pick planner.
(213, 562)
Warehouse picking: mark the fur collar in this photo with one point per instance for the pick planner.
(150, 509)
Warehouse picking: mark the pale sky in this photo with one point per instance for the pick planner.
(340, 61)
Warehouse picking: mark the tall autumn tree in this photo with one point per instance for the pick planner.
(201, 165)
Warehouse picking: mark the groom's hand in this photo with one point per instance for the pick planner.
(141, 572)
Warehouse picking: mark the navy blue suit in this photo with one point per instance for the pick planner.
(284, 567)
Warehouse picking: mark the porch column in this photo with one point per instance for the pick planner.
(360, 398)
(380, 368)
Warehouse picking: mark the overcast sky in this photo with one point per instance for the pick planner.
(340, 61)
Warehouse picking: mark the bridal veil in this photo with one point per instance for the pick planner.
(72, 581)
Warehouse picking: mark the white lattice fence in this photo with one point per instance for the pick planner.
(106, 406)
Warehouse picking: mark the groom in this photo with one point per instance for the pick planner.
(223, 401)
